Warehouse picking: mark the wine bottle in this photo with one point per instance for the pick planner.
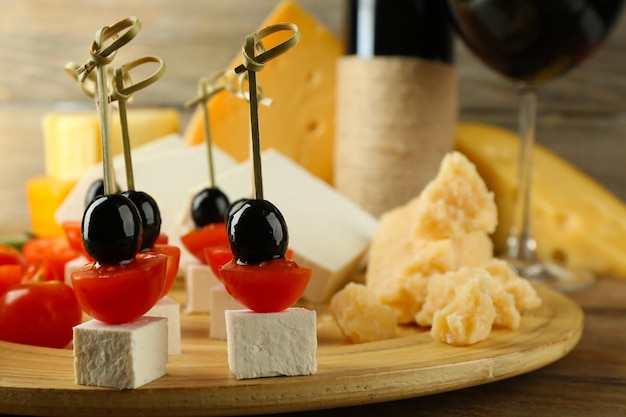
(417, 28)
(396, 100)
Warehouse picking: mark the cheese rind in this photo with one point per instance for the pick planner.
(301, 122)
(122, 356)
(271, 344)
(170, 310)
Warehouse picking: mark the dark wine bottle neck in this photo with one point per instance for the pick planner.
(415, 28)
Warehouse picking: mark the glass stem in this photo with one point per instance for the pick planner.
(520, 244)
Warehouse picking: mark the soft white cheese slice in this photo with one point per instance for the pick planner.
(199, 279)
(166, 169)
(170, 310)
(327, 232)
(271, 344)
(122, 356)
(221, 301)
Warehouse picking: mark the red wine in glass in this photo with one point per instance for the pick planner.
(532, 42)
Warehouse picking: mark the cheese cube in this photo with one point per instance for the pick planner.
(271, 344)
(221, 301)
(170, 310)
(44, 195)
(327, 232)
(199, 280)
(121, 356)
(72, 139)
(72, 266)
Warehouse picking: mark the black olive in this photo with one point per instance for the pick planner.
(95, 189)
(111, 229)
(209, 206)
(150, 216)
(234, 207)
(257, 232)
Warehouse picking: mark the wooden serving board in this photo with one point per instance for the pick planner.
(40, 381)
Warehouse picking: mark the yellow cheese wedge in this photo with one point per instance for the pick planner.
(72, 140)
(574, 219)
(44, 195)
(300, 123)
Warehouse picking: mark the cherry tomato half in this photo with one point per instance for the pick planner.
(268, 287)
(10, 275)
(72, 230)
(213, 234)
(218, 256)
(121, 293)
(39, 314)
(173, 259)
(56, 251)
(11, 256)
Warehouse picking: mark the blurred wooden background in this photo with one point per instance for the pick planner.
(583, 115)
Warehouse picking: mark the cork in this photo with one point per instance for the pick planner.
(396, 118)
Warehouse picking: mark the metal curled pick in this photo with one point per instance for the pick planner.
(104, 55)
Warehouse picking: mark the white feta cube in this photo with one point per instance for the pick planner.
(221, 301)
(199, 280)
(271, 344)
(121, 356)
(72, 266)
(169, 309)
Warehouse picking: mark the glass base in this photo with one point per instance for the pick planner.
(553, 275)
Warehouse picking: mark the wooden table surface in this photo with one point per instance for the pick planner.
(582, 117)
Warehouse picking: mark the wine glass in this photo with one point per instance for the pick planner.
(532, 42)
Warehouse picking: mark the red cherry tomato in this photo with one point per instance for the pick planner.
(39, 272)
(162, 239)
(10, 275)
(213, 234)
(268, 287)
(12, 266)
(39, 314)
(11, 256)
(73, 233)
(216, 257)
(173, 259)
(120, 293)
(55, 251)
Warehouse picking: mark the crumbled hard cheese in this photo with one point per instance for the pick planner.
(360, 316)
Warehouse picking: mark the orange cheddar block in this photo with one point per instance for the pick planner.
(44, 194)
(301, 83)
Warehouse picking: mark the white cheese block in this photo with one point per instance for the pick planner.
(271, 344)
(72, 266)
(199, 279)
(167, 169)
(327, 232)
(121, 356)
(221, 301)
(170, 310)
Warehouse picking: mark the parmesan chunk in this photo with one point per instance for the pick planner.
(456, 202)
(469, 317)
(360, 316)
